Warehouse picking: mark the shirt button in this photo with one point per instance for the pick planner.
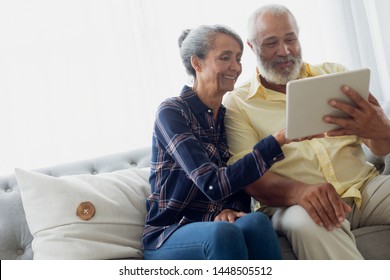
(86, 210)
(211, 188)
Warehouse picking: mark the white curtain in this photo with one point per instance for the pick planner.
(80, 78)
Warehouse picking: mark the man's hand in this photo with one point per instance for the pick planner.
(323, 205)
(229, 215)
(367, 120)
(321, 201)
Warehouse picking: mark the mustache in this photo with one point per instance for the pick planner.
(285, 59)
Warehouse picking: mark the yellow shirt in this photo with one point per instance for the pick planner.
(254, 112)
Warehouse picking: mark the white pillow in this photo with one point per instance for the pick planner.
(108, 225)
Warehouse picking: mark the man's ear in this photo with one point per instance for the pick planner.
(195, 62)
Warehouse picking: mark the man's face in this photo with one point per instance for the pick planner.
(277, 48)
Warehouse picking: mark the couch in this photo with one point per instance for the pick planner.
(16, 238)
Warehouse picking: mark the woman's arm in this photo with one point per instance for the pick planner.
(173, 131)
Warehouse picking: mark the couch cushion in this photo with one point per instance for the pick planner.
(373, 242)
(85, 216)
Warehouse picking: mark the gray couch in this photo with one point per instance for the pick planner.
(15, 237)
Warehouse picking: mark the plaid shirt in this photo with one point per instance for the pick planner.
(190, 179)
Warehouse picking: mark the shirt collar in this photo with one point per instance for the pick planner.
(256, 88)
(194, 102)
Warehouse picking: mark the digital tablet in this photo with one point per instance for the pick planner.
(307, 100)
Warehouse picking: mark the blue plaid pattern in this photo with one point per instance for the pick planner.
(190, 179)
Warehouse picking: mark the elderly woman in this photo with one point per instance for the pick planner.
(199, 206)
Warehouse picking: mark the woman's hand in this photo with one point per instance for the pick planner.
(280, 137)
(228, 215)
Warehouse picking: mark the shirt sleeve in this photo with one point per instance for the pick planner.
(241, 136)
(173, 132)
(240, 201)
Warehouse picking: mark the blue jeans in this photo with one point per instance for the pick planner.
(249, 238)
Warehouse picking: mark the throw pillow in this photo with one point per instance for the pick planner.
(85, 216)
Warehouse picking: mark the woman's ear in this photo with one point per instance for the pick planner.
(195, 62)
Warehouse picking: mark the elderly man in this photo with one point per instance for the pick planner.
(324, 187)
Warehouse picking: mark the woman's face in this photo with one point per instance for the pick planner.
(222, 66)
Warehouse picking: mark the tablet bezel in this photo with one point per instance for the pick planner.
(307, 100)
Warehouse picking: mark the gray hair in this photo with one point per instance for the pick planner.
(273, 9)
(199, 41)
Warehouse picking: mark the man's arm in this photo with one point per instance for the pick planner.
(368, 120)
(274, 190)
(321, 201)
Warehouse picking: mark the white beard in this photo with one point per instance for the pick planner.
(272, 76)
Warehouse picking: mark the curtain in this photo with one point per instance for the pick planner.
(377, 13)
(80, 79)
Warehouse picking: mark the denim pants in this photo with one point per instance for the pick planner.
(249, 237)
